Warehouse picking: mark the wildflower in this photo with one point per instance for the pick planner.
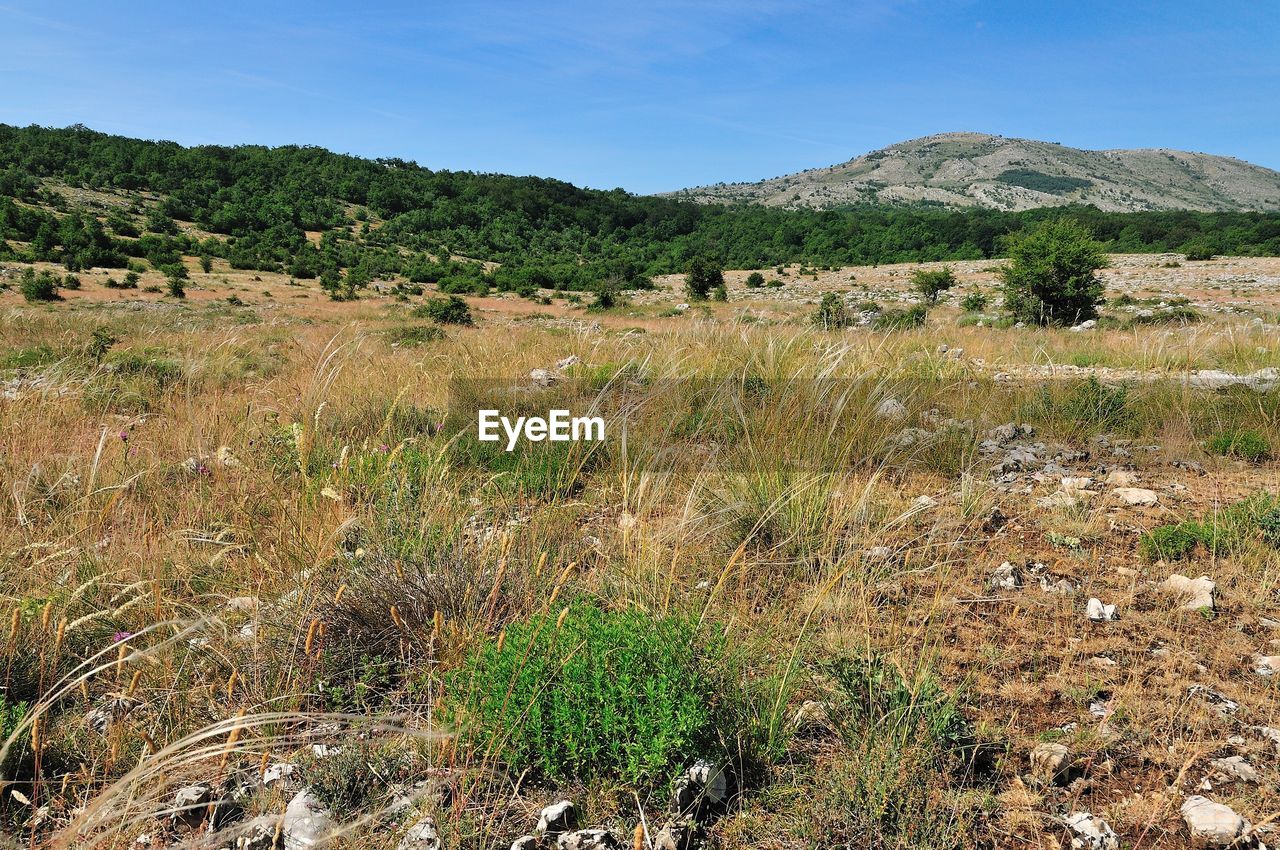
(119, 637)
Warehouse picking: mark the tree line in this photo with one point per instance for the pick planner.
(378, 218)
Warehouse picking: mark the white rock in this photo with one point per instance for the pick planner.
(571, 360)
(1266, 665)
(1195, 593)
(421, 836)
(227, 459)
(1121, 478)
(1006, 577)
(542, 377)
(588, 839)
(1049, 760)
(307, 822)
(924, 503)
(1072, 484)
(557, 818)
(1098, 612)
(1235, 767)
(1212, 824)
(892, 409)
(1136, 497)
(1090, 832)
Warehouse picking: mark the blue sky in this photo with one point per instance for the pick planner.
(650, 94)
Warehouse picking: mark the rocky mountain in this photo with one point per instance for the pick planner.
(975, 169)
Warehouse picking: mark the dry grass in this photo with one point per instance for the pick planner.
(237, 609)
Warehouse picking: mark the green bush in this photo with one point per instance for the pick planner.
(1051, 277)
(38, 287)
(414, 335)
(1170, 542)
(755, 280)
(974, 302)
(704, 275)
(832, 315)
(445, 311)
(1198, 251)
(1246, 444)
(596, 695)
(898, 320)
(930, 283)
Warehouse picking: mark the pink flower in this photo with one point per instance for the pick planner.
(121, 636)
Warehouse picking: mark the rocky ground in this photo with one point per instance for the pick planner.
(199, 518)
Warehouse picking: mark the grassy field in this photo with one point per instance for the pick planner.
(243, 543)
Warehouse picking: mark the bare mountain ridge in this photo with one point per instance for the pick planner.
(975, 169)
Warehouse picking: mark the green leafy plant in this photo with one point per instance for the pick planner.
(974, 302)
(38, 287)
(832, 315)
(445, 311)
(755, 280)
(704, 275)
(1051, 277)
(1244, 443)
(592, 694)
(930, 283)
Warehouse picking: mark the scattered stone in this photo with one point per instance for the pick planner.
(227, 459)
(879, 553)
(1271, 734)
(1196, 594)
(924, 503)
(1090, 832)
(1212, 824)
(1006, 577)
(1266, 665)
(1234, 767)
(1049, 761)
(421, 836)
(1086, 325)
(542, 377)
(812, 719)
(1218, 700)
(109, 712)
(995, 521)
(891, 409)
(1136, 497)
(1099, 612)
(565, 363)
(1121, 478)
(557, 818)
(307, 822)
(701, 788)
(675, 836)
(191, 804)
(588, 839)
(525, 842)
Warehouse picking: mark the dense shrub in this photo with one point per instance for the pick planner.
(898, 320)
(1245, 443)
(832, 315)
(930, 283)
(974, 302)
(41, 286)
(414, 335)
(703, 276)
(755, 280)
(592, 694)
(445, 311)
(1051, 277)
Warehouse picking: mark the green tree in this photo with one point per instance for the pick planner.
(832, 315)
(930, 283)
(704, 275)
(1051, 277)
(38, 287)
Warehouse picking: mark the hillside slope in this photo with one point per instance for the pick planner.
(974, 169)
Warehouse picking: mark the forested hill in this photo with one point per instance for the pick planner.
(383, 218)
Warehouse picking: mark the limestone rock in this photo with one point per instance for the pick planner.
(1050, 761)
(1212, 824)
(1099, 612)
(423, 835)
(1090, 832)
(557, 818)
(588, 839)
(1195, 593)
(1136, 497)
(307, 822)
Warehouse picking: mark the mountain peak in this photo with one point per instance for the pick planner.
(965, 169)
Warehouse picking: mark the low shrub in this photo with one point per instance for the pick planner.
(414, 335)
(445, 311)
(592, 694)
(1244, 443)
(832, 315)
(974, 302)
(898, 320)
(38, 287)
